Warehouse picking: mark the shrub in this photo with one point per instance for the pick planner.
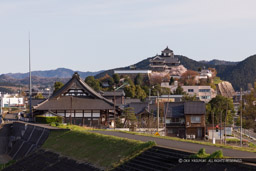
(200, 154)
(49, 119)
(217, 154)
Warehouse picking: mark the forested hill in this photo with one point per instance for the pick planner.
(238, 73)
(144, 64)
(241, 74)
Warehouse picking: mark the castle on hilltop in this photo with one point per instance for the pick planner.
(165, 61)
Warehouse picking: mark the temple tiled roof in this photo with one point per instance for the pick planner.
(86, 98)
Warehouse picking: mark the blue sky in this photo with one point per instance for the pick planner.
(102, 34)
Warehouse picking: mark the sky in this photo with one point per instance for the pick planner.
(88, 35)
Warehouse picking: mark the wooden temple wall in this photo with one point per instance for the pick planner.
(84, 117)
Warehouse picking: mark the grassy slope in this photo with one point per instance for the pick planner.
(100, 150)
(248, 149)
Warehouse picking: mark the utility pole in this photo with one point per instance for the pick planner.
(213, 128)
(225, 125)
(149, 112)
(166, 111)
(241, 115)
(220, 127)
(114, 107)
(157, 111)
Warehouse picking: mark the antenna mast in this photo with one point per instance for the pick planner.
(30, 81)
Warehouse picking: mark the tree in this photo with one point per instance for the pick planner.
(146, 89)
(138, 80)
(179, 91)
(140, 93)
(129, 81)
(92, 82)
(130, 91)
(110, 81)
(116, 78)
(155, 89)
(219, 106)
(214, 72)
(187, 97)
(57, 86)
(188, 78)
(129, 116)
(249, 109)
(39, 96)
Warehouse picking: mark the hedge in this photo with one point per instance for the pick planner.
(48, 119)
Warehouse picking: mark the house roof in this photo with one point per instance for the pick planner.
(194, 107)
(87, 98)
(129, 100)
(171, 60)
(142, 107)
(112, 93)
(72, 103)
(179, 109)
(167, 50)
(175, 109)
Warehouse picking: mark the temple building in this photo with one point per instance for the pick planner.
(165, 61)
(77, 103)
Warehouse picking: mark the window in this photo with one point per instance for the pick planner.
(190, 90)
(205, 97)
(204, 90)
(195, 119)
(176, 120)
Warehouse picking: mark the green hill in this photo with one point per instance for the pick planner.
(241, 74)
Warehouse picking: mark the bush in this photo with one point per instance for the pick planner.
(49, 119)
(202, 154)
(217, 154)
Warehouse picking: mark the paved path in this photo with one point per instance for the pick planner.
(182, 146)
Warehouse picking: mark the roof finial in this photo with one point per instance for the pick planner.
(76, 74)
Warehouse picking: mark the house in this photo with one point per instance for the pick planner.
(78, 103)
(185, 119)
(204, 93)
(8, 100)
(117, 96)
(165, 61)
(205, 73)
(145, 113)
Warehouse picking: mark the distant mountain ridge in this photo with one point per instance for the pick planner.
(240, 74)
(218, 62)
(57, 73)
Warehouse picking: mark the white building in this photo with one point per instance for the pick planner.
(204, 93)
(132, 71)
(206, 73)
(11, 101)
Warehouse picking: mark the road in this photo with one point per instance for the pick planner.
(182, 146)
